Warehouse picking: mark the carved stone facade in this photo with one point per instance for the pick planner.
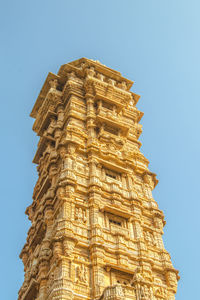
(96, 231)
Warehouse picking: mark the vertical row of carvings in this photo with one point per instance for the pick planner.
(96, 230)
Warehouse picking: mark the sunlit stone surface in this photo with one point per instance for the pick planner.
(96, 231)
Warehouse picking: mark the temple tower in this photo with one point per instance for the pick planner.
(96, 230)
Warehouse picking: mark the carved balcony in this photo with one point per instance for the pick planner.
(118, 230)
(41, 188)
(30, 292)
(114, 292)
(46, 122)
(112, 119)
(50, 102)
(44, 142)
(110, 91)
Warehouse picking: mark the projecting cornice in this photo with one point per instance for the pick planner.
(80, 67)
(82, 63)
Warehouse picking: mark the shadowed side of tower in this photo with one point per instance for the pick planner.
(96, 230)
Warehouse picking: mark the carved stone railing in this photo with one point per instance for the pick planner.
(114, 292)
(112, 117)
(118, 230)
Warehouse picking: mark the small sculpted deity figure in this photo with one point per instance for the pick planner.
(53, 83)
(82, 273)
(80, 215)
(51, 127)
(149, 238)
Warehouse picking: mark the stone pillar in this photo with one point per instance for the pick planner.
(90, 118)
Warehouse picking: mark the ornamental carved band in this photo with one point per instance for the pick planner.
(96, 231)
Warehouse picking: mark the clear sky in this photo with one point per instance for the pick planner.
(153, 42)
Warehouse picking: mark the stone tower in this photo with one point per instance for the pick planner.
(96, 230)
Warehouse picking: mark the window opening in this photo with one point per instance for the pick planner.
(115, 222)
(111, 130)
(107, 105)
(111, 176)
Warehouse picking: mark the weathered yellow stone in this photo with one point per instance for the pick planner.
(96, 230)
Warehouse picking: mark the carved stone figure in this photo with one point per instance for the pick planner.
(82, 273)
(90, 71)
(100, 76)
(80, 215)
(149, 238)
(51, 127)
(69, 245)
(53, 83)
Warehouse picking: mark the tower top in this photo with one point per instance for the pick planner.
(80, 67)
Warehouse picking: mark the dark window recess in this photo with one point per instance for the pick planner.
(107, 105)
(97, 130)
(111, 176)
(60, 87)
(53, 143)
(111, 130)
(115, 222)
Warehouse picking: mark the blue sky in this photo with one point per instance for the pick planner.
(153, 42)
